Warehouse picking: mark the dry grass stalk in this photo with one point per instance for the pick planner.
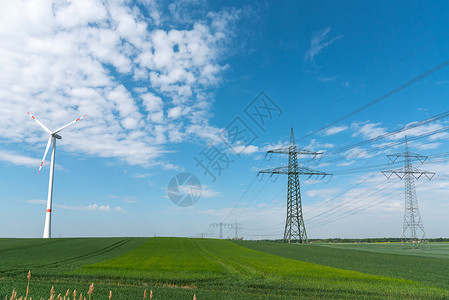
(67, 294)
(194, 297)
(52, 293)
(91, 289)
(14, 294)
(28, 285)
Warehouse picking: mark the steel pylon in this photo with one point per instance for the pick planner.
(295, 229)
(220, 225)
(413, 233)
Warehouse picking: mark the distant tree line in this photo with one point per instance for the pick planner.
(365, 240)
(372, 240)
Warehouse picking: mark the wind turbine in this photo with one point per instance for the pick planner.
(51, 140)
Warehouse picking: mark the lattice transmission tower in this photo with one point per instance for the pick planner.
(236, 227)
(295, 229)
(413, 234)
(220, 225)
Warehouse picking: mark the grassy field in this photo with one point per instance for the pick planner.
(434, 250)
(178, 268)
(429, 266)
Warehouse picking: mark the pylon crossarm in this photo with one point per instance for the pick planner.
(429, 176)
(387, 174)
(294, 149)
(299, 171)
(417, 173)
(394, 157)
(279, 170)
(308, 171)
(420, 158)
(395, 172)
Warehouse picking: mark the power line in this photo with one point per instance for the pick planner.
(366, 194)
(385, 135)
(339, 195)
(381, 98)
(327, 107)
(392, 144)
(353, 211)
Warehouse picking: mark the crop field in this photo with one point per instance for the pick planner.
(179, 268)
(430, 266)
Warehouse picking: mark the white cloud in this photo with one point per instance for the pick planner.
(126, 199)
(422, 130)
(438, 136)
(278, 145)
(318, 43)
(335, 130)
(321, 193)
(358, 152)
(18, 159)
(36, 201)
(61, 60)
(367, 130)
(90, 207)
(316, 145)
(208, 192)
(428, 146)
(346, 164)
(142, 175)
(242, 149)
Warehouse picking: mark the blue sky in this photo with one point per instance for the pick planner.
(161, 80)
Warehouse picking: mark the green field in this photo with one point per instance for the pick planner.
(429, 266)
(178, 268)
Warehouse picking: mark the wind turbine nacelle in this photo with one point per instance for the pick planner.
(57, 136)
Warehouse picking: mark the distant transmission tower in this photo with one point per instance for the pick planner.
(295, 229)
(221, 225)
(237, 226)
(413, 233)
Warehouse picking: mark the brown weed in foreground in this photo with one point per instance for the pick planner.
(67, 294)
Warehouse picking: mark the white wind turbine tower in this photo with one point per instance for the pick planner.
(51, 140)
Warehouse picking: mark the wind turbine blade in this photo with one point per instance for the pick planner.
(45, 154)
(59, 129)
(40, 124)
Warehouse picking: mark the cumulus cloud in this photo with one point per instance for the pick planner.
(142, 81)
